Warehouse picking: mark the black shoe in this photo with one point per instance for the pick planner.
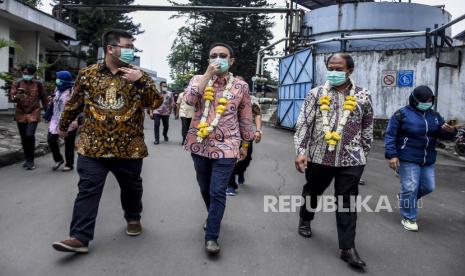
(361, 182)
(166, 138)
(156, 142)
(205, 226)
(351, 257)
(305, 230)
(57, 165)
(212, 247)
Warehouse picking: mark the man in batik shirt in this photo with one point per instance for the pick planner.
(220, 98)
(162, 114)
(333, 137)
(113, 96)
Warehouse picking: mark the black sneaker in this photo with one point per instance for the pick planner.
(30, 166)
(166, 139)
(156, 142)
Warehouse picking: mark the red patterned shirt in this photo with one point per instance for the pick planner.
(234, 126)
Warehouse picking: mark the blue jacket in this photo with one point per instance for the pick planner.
(412, 135)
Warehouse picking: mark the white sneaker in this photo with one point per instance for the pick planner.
(410, 225)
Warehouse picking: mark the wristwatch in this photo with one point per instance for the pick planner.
(259, 131)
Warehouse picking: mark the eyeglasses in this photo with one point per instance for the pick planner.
(213, 56)
(124, 46)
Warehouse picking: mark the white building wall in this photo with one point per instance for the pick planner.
(28, 42)
(368, 71)
(4, 34)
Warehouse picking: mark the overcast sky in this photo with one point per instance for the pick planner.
(160, 31)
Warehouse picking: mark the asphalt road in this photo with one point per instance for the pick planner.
(35, 210)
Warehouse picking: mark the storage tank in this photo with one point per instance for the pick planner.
(370, 18)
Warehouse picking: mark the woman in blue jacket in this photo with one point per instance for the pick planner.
(410, 145)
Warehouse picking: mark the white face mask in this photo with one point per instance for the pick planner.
(164, 89)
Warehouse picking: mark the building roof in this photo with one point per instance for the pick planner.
(32, 19)
(315, 4)
(460, 36)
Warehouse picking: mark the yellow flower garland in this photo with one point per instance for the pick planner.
(350, 103)
(204, 129)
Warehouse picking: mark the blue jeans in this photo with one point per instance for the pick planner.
(416, 181)
(213, 177)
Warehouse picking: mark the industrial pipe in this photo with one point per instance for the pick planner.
(177, 8)
(262, 66)
(445, 26)
(259, 54)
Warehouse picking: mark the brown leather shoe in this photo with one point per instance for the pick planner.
(134, 228)
(70, 245)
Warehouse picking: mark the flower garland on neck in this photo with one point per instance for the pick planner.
(204, 129)
(333, 137)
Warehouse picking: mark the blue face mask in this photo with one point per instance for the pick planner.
(223, 62)
(126, 55)
(28, 77)
(336, 78)
(422, 106)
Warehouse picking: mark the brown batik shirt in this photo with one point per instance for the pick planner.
(113, 113)
(27, 95)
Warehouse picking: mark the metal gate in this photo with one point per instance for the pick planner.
(295, 81)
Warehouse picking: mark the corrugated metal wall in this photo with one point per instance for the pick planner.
(295, 80)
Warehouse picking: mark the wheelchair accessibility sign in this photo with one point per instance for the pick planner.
(405, 78)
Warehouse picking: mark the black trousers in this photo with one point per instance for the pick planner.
(345, 184)
(92, 175)
(186, 123)
(165, 119)
(241, 167)
(27, 131)
(53, 139)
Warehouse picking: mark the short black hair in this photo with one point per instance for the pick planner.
(162, 82)
(227, 46)
(112, 37)
(30, 68)
(348, 58)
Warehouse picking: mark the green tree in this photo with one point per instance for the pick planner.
(91, 24)
(246, 33)
(33, 3)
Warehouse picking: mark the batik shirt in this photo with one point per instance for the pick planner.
(28, 102)
(113, 113)
(357, 134)
(234, 126)
(167, 105)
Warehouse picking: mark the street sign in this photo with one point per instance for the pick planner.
(389, 78)
(405, 78)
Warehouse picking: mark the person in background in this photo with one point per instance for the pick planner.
(162, 113)
(241, 166)
(186, 112)
(410, 145)
(64, 85)
(28, 93)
